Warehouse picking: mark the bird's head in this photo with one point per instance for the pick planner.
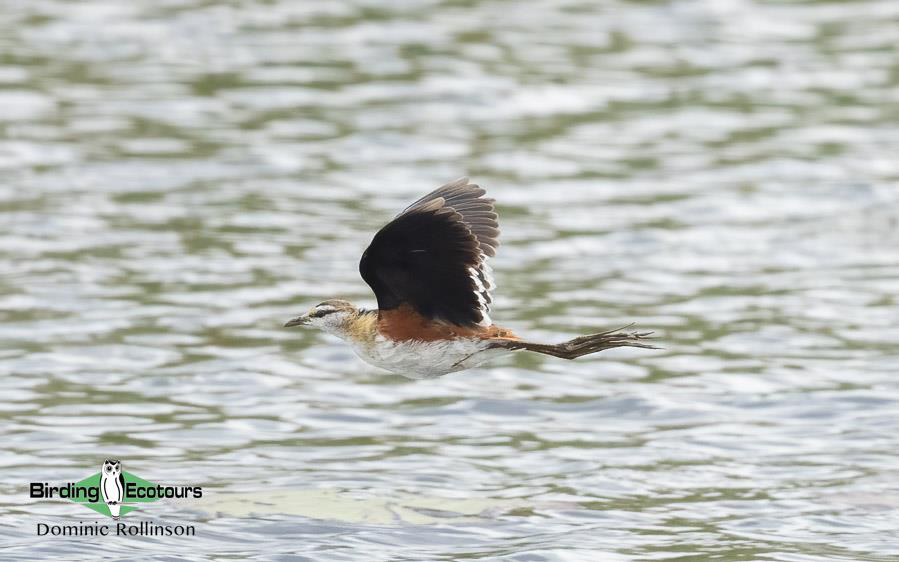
(330, 316)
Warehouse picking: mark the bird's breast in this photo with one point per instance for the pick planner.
(418, 359)
(404, 323)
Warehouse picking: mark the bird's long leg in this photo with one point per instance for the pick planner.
(583, 345)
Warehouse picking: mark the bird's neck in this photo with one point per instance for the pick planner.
(360, 325)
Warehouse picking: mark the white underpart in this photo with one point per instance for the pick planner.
(417, 359)
(414, 359)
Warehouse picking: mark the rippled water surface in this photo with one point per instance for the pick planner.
(180, 177)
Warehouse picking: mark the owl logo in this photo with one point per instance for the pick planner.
(112, 484)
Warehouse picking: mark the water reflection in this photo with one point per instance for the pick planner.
(179, 177)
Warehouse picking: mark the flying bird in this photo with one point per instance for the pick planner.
(428, 269)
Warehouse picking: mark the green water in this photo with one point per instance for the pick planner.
(178, 178)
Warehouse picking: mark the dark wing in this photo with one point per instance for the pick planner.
(432, 256)
(122, 484)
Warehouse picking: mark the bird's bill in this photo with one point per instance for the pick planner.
(298, 321)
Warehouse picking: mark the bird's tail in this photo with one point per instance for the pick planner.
(583, 345)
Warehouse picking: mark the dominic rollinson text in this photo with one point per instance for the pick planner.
(141, 529)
